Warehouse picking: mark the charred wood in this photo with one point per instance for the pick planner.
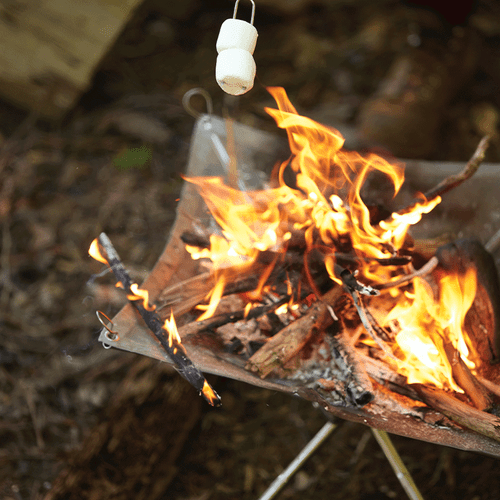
(175, 351)
(476, 392)
(358, 385)
(460, 412)
(287, 343)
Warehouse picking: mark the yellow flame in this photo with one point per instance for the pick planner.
(426, 323)
(325, 208)
(215, 296)
(209, 393)
(95, 253)
(173, 333)
(140, 294)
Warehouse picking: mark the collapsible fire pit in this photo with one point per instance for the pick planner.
(308, 282)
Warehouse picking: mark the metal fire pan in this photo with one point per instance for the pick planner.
(471, 210)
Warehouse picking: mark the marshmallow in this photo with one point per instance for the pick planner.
(235, 67)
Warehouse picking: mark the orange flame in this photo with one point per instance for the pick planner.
(326, 200)
(425, 324)
(140, 294)
(325, 207)
(209, 393)
(173, 333)
(95, 253)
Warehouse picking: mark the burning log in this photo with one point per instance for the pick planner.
(357, 383)
(172, 346)
(460, 412)
(466, 380)
(286, 344)
(462, 255)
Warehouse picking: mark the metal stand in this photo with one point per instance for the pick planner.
(383, 440)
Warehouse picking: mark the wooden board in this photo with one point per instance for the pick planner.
(50, 48)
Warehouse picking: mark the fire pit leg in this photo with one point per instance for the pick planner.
(298, 461)
(383, 440)
(397, 464)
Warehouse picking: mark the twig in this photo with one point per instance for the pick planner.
(175, 350)
(423, 271)
(465, 379)
(470, 169)
(397, 260)
(356, 290)
(453, 181)
(491, 386)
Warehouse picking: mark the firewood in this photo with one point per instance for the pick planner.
(196, 327)
(358, 385)
(172, 347)
(454, 181)
(286, 344)
(460, 412)
(465, 379)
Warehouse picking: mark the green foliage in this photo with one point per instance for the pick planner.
(133, 158)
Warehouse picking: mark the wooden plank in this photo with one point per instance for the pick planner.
(50, 48)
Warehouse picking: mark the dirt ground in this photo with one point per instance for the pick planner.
(393, 76)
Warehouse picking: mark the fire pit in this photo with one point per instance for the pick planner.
(313, 286)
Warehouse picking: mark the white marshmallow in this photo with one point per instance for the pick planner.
(235, 71)
(237, 34)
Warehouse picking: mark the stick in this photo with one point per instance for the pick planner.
(460, 412)
(465, 379)
(298, 461)
(470, 169)
(398, 260)
(175, 350)
(397, 465)
(356, 290)
(453, 181)
(423, 271)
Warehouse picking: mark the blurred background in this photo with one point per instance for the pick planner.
(93, 137)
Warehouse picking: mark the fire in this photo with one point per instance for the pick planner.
(210, 394)
(140, 294)
(171, 328)
(95, 253)
(426, 324)
(325, 207)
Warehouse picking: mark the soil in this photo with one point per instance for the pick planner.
(114, 165)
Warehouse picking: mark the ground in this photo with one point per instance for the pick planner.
(114, 165)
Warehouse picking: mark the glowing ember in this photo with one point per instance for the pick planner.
(326, 209)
